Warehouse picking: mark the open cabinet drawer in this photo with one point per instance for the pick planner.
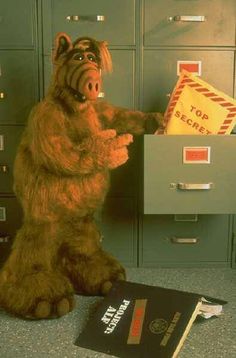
(189, 174)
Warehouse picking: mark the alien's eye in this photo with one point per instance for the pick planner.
(78, 57)
(91, 57)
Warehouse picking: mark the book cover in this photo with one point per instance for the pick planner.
(137, 320)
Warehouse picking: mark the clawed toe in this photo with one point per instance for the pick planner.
(45, 309)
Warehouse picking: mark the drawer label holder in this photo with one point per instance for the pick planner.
(196, 155)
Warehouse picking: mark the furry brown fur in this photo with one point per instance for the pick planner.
(61, 178)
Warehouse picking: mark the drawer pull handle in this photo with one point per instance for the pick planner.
(2, 95)
(184, 240)
(90, 18)
(195, 186)
(3, 215)
(1, 142)
(187, 18)
(4, 168)
(4, 239)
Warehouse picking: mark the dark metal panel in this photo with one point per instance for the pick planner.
(166, 241)
(164, 170)
(118, 226)
(113, 21)
(160, 73)
(189, 23)
(17, 23)
(18, 85)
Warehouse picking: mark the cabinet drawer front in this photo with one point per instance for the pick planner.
(113, 21)
(165, 240)
(172, 186)
(160, 73)
(9, 140)
(119, 86)
(10, 222)
(10, 216)
(18, 85)
(17, 23)
(117, 222)
(190, 23)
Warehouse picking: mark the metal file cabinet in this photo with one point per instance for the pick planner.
(105, 20)
(18, 85)
(19, 91)
(9, 140)
(10, 222)
(174, 184)
(114, 22)
(118, 225)
(186, 210)
(147, 39)
(17, 25)
(189, 23)
(160, 72)
(186, 240)
(196, 196)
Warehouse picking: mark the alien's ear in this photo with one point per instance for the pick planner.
(105, 55)
(63, 45)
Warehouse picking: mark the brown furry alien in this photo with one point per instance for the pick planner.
(61, 177)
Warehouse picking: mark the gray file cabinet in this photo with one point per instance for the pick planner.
(19, 91)
(113, 21)
(185, 240)
(196, 196)
(189, 23)
(187, 209)
(177, 180)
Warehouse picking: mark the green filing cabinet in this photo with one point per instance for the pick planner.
(186, 210)
(189, 23)
(10, 221)
(9, 140)
(186, 240)
(114, 22)
(187, 200)
(19, 91)
(118, 226)
(17, 24)
(176, 181)
(160, 69)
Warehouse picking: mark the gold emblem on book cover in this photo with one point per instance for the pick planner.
(158, 326)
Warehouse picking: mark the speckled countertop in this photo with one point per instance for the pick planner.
(215, 338)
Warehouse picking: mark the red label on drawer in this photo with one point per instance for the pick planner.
(196, 155)
(194, 67)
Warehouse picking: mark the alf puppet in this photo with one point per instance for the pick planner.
(61, 177)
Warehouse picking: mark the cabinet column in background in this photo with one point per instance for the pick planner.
(19, 91)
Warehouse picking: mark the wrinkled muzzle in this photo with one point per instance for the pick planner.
(86, 80)
(90, 84)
